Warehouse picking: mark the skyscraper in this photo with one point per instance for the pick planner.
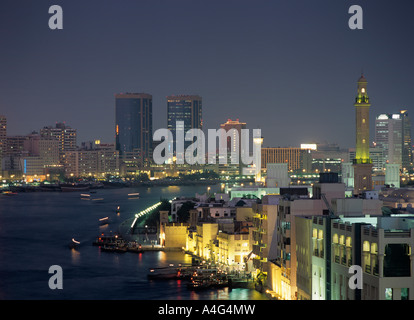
(185, 108)
(232, 143)
(407, 155)
(362, 161)
(389, 136)
(133, 125)
(3, 138)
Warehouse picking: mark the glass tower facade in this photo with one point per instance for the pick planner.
(185, 108)
(133, 124)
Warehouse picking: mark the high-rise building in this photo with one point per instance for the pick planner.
(133, 125)
(362, 161)
(389, 136)
(185, 108)
(3, 136)
(232, 145)
(64, 134)
(407, 155)
(233, 141)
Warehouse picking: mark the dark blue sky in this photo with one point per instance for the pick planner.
(287, 67)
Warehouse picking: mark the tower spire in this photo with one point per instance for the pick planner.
(362, 161)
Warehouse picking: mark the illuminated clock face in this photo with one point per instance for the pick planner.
(363, 90)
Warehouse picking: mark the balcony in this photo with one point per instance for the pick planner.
(375, 270)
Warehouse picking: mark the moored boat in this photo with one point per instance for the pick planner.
(74, 244)
(9, 193)
(72, 187)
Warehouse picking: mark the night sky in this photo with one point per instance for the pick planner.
(287, 67)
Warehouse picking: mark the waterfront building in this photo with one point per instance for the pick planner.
(232, 248)
(362, 161)
(133, 126)
(12, 155)
(63, 133)
(41, 158)
(15, 145)
(174, 235)
(265, 237)
(98, 162)
(185, 108)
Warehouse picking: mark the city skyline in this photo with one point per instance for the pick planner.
(255, 62)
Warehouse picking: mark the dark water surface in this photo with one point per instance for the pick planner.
(36, 228)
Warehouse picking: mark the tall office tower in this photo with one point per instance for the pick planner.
(233, 145)
(362, 162)
(257, 153)
(232, 140)
(65, 134)
(3, 137)
(389, 136)
(407, 155)
(133, 125)
(185, 108)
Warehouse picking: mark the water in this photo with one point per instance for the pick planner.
(36, 228)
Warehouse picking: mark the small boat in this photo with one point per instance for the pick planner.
(108, 248)
(74, 244)
(199, 285)
(162, 273)
(104, 221)
(103, 240)
(9, 193)
(121, 249)
(71, 187)
(85, 196)
(134, 247)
